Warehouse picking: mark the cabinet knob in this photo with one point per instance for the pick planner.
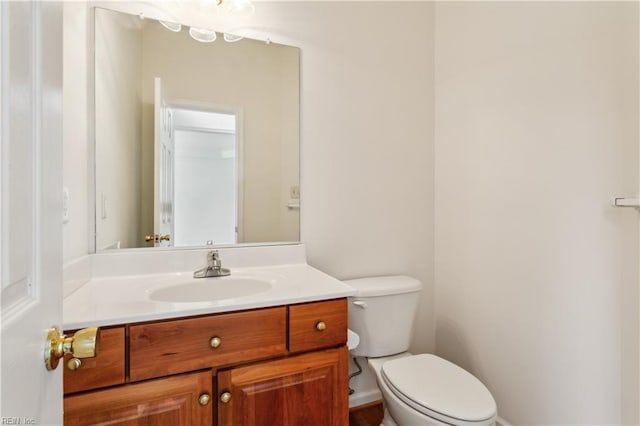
(204, 399)
(321, 326)
(225, 397)
(74, 364)
(215, 342)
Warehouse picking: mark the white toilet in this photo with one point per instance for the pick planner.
(417, 389)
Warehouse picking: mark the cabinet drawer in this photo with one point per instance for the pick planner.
(305, 325)
(169, 347)
(105, 369)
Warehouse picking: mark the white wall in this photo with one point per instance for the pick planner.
(536, 275)
(74, 128)
(118, 131)
(367, 185)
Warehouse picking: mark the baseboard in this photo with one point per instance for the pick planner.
(366, 406)
(502, 422)
(366, 397)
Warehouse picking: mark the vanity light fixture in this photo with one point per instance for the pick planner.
(233, 8)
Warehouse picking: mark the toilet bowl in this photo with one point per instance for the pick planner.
(428, 390)
(416, 389)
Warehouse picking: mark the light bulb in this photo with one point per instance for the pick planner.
(171, 26)
(232, 38)
(202, 35)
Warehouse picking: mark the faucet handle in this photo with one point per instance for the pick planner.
(213, 258)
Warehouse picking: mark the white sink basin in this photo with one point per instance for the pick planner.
(130, 298)
(210, 289)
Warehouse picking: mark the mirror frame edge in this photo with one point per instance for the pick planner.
(92, 209)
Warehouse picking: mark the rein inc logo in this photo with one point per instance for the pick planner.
(17, 421)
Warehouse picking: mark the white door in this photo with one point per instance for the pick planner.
(163, 168)
(31, 221)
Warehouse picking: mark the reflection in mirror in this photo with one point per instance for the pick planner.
(196, 143)
(206, 150)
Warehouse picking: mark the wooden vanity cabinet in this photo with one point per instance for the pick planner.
(306, 389)
(286, 365)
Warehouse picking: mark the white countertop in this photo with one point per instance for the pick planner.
(126, 298)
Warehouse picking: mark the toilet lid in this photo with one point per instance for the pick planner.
(439, 388)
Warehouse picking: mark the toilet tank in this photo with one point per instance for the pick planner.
(382, 313)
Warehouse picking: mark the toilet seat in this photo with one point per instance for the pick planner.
(439, 389)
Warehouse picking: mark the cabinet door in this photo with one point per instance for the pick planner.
(171, 401)
(310, 389)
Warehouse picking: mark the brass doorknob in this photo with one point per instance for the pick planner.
(157, 238)
(225, 397)
(83, 344)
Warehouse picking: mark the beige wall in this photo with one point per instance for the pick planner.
(290, 147)
(536, 274)
(118, 95)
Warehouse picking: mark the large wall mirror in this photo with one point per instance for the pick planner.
(196, 143)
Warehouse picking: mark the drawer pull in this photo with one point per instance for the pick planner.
(215, 342)
(74, 364)
(321, 326)
(204, 399)
(225, 397)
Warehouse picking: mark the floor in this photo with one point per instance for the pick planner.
(366, 415)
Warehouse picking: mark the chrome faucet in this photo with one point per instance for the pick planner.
(214, 267)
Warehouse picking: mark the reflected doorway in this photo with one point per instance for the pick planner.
(207, 192)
